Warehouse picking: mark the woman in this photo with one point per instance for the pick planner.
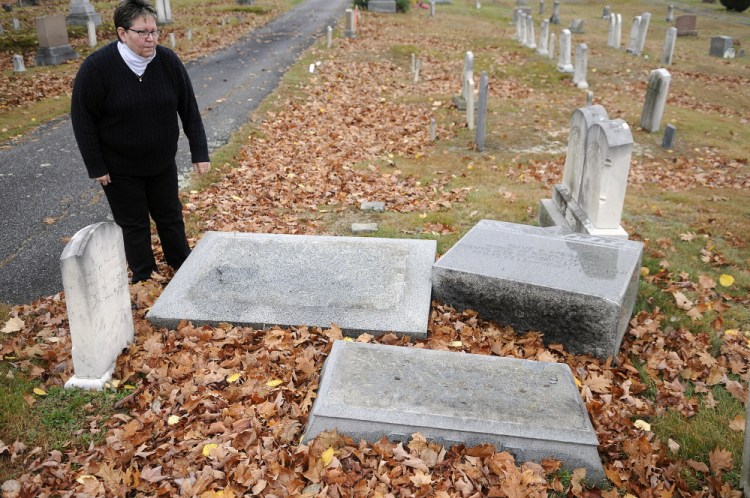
(124, 108)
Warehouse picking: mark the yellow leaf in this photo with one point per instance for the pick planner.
(208, 447)
(348, 339)
(423, 215)
(173, 419)
(642, 424)
(233, 378)
(731, 332)
(327, 457)
(644, 271)
(39, 391)
(578, 382)
(274, 382)
(115, 383)
(85, 477)
(238, 199)
(455, 344)
(726, 280)
(129, 387)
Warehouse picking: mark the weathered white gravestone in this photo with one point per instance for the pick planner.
(467, 74)
(362, 284)
(530, 36)
(611, 31)
(94, 274)
(329, 36)
(470, 103)
(91, 31)
(656, 99)
(618, 31)
(18, 65)
(669, 42)
(543, 47)
(163, 12)
(16, 24)
(745, 472)
(531, 409)
(552, 45)
(670, 13)
(578, 290)
(581, 66)
(521, 28)
(563, 62)
(351, 27)
(81, 13)
(591, 198)
(642, 32)
(580, 122)
(633, 40)
(555, 17)
(484, 87)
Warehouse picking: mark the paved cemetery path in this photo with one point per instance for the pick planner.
(45, 194)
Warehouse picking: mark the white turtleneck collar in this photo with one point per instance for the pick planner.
(134, 61)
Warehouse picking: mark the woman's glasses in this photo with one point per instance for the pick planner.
(145, 34)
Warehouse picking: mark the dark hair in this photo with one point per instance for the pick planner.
(130, 10)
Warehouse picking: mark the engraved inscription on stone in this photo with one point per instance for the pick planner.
(245, 279)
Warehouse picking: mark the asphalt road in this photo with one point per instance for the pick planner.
(45, 193)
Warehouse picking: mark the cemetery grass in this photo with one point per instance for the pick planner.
(356, 129)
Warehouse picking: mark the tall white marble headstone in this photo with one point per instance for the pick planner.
(580, 122)
(543, 47)
(642, 33)
(563, 62)
(669, 42)
(670, 13)
(552, 45)
(581, 66)
(530, 36)
(91, 31)
(618, 31)
(633, 40)
(609, 147)
(470, 102)
(95, 279)
(467, 75)
(611, 30)
(656, 99)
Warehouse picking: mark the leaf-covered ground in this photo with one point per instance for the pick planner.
(220, 411)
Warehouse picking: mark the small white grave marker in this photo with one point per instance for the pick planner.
(563, 61)
(16, 24)
(581, 66)
(18, 65)
(656, 99)
(470, 103)
(94, 274)
(91, 28)
(669, 43)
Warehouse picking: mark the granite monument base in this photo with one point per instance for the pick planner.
(53, 56)
(563, 211)
(531, 409)
(578, 290)
(361, 284)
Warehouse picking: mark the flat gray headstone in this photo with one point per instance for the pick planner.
(388, 6)
(364, 227)
(578, 290)
(81, 13)
(97, 296)
(529, 408)
(362, 284)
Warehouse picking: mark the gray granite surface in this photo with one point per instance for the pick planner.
(531, 409)
(578, 290)
(363, 284)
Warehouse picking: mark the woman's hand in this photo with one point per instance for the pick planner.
(103, 180)
(201, 168)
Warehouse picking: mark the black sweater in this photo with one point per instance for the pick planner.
(128, 125)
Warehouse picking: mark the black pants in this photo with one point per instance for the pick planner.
(132, 199)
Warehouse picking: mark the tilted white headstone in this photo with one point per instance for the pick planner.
(94, 275)
(530, 36)
(481, 131)
(18, 64)
(543, 47)
(563, 62)
(618, 31)
(521, 28)
(91, 30)
(642, 32)
(580, 122)
(611, 31)
(470, 102)
(552, 45)
(669, 42)
(609, 147)
(656, 99)
(581, 66)
(633, 40)
(329, 35)
(467, 74)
